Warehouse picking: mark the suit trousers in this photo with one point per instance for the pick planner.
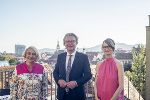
(70, 96)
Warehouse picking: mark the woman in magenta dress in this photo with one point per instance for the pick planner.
(29, 80)
(109, 82)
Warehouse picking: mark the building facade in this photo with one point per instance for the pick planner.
(19, 49)
(148, 61)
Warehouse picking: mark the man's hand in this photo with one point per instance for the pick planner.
(72, 84)
(62, 83)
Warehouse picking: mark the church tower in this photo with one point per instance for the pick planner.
(58, 46)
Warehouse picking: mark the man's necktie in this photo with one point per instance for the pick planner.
(68, 71)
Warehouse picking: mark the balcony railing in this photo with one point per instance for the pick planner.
(6, 72)
(5, 76)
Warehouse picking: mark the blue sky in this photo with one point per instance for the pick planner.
(42, 23)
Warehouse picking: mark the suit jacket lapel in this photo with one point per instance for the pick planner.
(64, 63)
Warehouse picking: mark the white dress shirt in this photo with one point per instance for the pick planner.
(72, 58)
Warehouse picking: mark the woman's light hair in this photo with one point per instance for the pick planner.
(34, 49)
(110, 42)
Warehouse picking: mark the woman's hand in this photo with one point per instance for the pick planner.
(96, 98)
(112, 98)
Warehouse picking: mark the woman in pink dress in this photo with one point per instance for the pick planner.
(109, 82)
(29, 80)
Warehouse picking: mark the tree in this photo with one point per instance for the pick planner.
(2, 58)
(12, 62)
(138, 74)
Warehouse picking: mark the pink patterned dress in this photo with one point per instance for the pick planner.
(26, 85)
(107, 80)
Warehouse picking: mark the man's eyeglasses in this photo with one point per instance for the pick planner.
(31, 53)
(72, 41)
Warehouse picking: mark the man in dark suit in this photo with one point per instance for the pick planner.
(72, 71)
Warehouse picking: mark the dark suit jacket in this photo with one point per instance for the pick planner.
(80, 72)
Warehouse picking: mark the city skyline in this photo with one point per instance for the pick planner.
(43, 23)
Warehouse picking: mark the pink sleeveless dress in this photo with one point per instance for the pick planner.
(107, 80)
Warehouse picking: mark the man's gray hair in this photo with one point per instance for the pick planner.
(70, 34)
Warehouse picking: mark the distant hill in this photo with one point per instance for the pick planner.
(97, 48)
(124, 46)
(47, 50)
(119, 46)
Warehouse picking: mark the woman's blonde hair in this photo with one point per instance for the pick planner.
(34, 49)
